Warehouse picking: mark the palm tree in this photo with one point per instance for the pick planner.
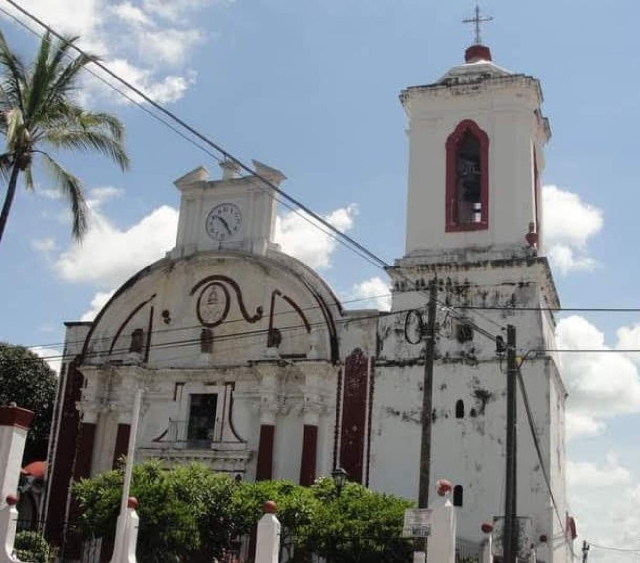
(38, 111)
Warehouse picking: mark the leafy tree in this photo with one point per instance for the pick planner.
(27, 380)
(31, 546)
(358, 525)
(38, 112)
(178, 510)
(192, 514)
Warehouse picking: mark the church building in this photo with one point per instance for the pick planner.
(248, 362)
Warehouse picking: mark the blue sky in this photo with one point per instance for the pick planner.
(312, 88)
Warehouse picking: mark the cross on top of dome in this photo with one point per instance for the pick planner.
(478, 20)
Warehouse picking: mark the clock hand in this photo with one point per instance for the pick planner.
(226, 225)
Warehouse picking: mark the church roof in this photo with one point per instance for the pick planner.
(478, 66)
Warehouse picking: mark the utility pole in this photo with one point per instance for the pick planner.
(585, 551)
(427, 397)
(510, 533)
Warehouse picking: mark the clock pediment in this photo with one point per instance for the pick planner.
(232, 213)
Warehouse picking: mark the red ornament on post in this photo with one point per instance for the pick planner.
(487, 527)
(443, 487)
(132, 502)
(12, 500)
(532, 236)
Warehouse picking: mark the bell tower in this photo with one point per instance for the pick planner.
(474, 231)
(476, 139)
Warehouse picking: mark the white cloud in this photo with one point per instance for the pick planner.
(98, 196)
(584, 474)
(67, 16)
(372, 293)
(108, 255)
(304, 238)
(99, 300)
(45, 245)
(600, 384)
(177, 9)
(137, 39)
(605, 499)
(130, 14)
(163, 90)
(51, 356)
(170, 46)
(629, 339)
(569, 223)
(582, 425)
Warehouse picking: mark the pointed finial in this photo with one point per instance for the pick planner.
(478, 20)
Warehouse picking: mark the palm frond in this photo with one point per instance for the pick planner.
(15, 128)
(99, 120)
(14, 74)
(64, 78)
(86, 140)
(71, 188)
(39, 79)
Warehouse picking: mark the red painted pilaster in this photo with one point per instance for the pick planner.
(62, 464)
(309, 455)
(354, 417)
(264, 470)
(122, 443)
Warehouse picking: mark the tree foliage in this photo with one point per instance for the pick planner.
(40, 116)
(192, 514)
(27, 380)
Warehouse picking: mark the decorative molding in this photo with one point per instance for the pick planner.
(234, 285)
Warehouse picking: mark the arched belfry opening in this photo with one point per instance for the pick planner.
(460, 409)
(467, 197)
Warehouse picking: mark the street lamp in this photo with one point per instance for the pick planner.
(339, 478)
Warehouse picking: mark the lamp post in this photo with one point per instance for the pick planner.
(339, 478)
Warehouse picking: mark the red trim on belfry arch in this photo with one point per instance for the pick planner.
(451, 225)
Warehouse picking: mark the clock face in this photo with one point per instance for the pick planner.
(224, 221)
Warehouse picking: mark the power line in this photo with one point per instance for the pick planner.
(536, 443)
(620, 549)
(555, 309)
(231, 321)
(236, 335)
(323, 225)
(338, 235)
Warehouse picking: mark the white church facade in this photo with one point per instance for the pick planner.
(249, 363)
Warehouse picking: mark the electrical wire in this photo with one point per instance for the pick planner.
(318, 221)
(332, 231)
(235, 335)
(619, 549)
(536, 443)
(191, 327)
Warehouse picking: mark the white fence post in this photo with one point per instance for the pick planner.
(487, 547)
(268, 537)
(128, 522)
(442, 541)
(14, 426)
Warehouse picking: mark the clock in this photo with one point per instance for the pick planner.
(224, 221)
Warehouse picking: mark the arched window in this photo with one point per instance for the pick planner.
(457, 495)
(467, 197)
(460, 409)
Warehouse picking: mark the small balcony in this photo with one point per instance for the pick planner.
(181, 444)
